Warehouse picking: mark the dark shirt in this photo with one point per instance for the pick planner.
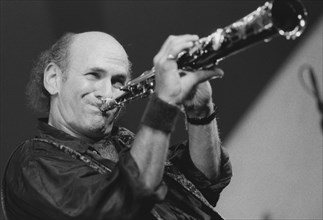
(43, 182)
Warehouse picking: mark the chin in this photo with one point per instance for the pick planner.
(100, 127)
(97, 125)
(96, 133)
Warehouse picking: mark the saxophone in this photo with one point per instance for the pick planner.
(285, 18)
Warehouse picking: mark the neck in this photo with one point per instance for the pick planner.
(58, 123)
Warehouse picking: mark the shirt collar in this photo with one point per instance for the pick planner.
(47, 131)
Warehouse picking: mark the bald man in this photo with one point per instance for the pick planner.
(81, 165)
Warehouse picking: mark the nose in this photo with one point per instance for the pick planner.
(104, 89)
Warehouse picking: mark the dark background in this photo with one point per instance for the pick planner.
(28, 27)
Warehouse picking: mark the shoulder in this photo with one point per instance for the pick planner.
(24, 151)
(33, 153)
(37, 147)
(34, 162)
(20, 164)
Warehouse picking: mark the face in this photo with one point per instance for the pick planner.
(98, 66)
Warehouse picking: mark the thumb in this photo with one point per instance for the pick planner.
(204, 75)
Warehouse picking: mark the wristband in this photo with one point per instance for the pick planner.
(202, 121)
(160, 115)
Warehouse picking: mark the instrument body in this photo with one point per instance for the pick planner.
(285, 18)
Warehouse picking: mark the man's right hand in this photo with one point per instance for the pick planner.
(172, 85)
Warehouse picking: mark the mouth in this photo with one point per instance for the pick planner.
(101, 108)
(106, 104)
(105, 113)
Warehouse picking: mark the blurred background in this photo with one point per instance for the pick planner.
(267, 102)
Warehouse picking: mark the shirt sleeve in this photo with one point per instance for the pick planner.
(210, 188)
(56, 186)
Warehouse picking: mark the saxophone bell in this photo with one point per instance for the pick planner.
(289, 17)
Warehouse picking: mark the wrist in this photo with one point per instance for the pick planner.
(202, 119)
(203, 111)
(169, 100)
(160, 115)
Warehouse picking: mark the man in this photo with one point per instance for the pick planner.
(82, 166)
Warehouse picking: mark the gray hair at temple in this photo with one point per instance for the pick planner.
(37, 96)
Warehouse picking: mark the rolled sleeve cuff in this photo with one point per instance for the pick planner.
(129, 169)
(210, 188)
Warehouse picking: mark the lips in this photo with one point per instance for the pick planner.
(104, 113)
(97, 105)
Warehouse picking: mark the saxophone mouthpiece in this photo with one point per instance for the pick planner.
(107, 104)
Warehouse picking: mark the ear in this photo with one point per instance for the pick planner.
(52, 78)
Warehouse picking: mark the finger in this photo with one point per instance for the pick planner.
(175, 44)
(176, 48)
(172, 52)
(175, 39)
(166, 58)
(205, 75)
(219, 73)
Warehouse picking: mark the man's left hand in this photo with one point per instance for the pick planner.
(199, 103)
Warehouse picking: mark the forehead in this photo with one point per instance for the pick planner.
(98, 51)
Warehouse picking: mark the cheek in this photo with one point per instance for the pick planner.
(75, 93)
(78, 86)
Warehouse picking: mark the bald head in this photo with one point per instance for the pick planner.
(94, 39)
(89, 44)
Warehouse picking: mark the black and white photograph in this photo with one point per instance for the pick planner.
(161, 110)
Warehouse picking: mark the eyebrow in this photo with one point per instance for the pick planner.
(97, 69)
(116, 76)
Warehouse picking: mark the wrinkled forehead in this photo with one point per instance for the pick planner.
(98, 50)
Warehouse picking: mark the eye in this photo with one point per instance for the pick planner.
(92, 75)
(118, 82)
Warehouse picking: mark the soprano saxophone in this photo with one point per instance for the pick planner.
(285, 18)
